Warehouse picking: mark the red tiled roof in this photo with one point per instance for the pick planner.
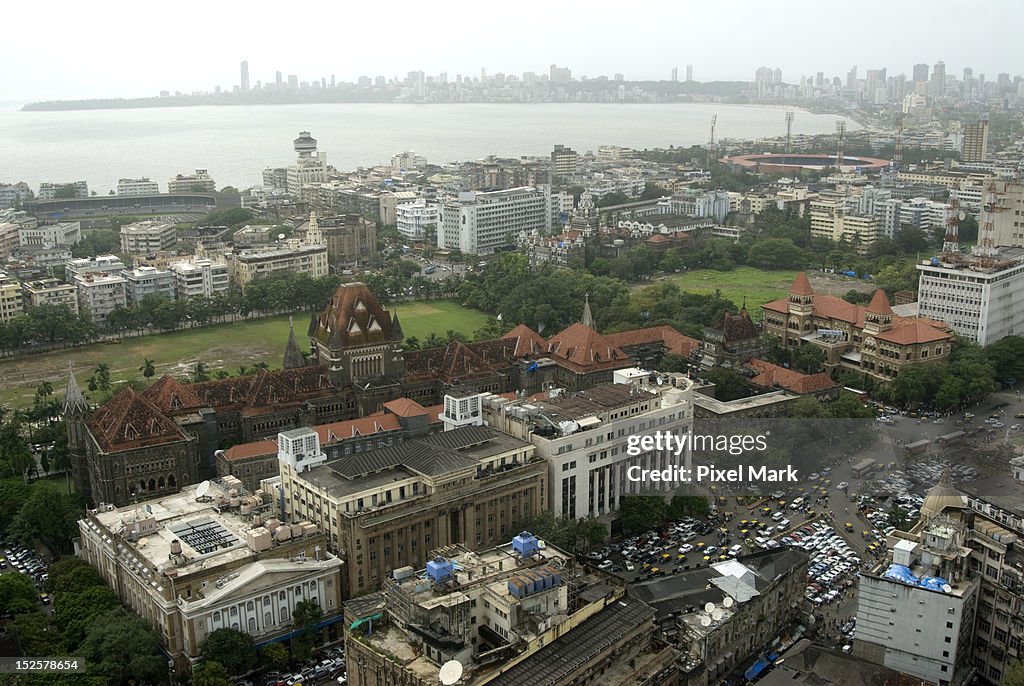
(801, 286)
(528, 341)
(364, 426)
(657, 238)
(771, 375)
(405, 407)
(911, 331)
(244, 451)
(879, 303)
(584, 349)
(130, 421)
(737, 327)
(674, 341)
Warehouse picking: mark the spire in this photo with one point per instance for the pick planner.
(73, 398)
(293, 357)
(879, 303)
(801, 286)
(588, 318)
(396, 329)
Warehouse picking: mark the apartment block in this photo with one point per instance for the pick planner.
(248, 265)
(148, 237)
(11, 301)
(99, 294)
(105, 264)
(143, 186)
(50, 292)
(200, 182)
(415, 220)
(200, 277)
(145, 281)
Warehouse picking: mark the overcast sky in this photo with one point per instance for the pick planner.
(72, 49)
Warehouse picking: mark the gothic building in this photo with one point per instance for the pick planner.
(871, 339)
(141, 444)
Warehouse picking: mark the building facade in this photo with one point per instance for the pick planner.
(209, 558)
(200, 182)
(479, 223)
(416, 220)
(143, 186)
(148, 237)
(869, 339)
(50, 235)
(11, 300)
(390, 507)
(144, 281)
(50, 292)
(200, 277)
(100, 294)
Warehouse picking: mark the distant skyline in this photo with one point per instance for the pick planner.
(119, 49)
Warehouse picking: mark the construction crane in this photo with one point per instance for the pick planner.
(840, 131)
(897, 156)
(789, 132)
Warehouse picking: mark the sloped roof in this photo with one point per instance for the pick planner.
(911, 331)
(528, 341)
(262, 389)
(770, 375)
(169, 394)
(354, 317)
(405, 407)
(584, 349)
(879, 303)
(801, 286)
(460, 361)
(737, 327)
(673, 341)
(130, 421)
(244, 451)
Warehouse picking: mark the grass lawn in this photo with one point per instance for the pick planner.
(759, 286)
(225, 346)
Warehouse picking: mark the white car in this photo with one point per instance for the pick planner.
(685, 548)
(842, 485)
(605, 565)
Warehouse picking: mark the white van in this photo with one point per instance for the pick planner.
(795, 505)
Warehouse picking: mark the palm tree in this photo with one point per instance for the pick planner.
(100, 380)
(44, 389)
(243, 370)
(148, 369)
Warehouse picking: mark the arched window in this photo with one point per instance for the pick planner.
(250, 606)
(284, 615)
(268, 619)
(170, 481)
(142, 484)
(282, 596)
(160, 482)
(152, 484)
(252, 624)
(216, 617)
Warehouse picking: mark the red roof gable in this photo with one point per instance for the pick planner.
(771, 375)
(801, 286)
(130, 421)
(583, 348)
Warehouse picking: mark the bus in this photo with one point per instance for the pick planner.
(864, 468)
(861, 395)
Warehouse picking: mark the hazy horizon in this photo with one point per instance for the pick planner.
(117, 50)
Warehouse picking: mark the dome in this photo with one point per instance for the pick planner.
(942, 496)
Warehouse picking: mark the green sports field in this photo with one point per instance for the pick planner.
(225, 346)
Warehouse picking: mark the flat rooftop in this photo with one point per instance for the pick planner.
(209, 535)
(741, 404)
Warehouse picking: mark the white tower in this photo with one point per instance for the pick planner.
(300, 449)
(462, 411)
(314, 236)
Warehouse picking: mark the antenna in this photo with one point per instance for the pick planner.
(789, 132)
(711, 143)
(897, 156)
(840, 131)
(986, 248)
(951, 244)
(451, 672)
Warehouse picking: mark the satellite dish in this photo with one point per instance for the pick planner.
(280, 236)
(451, 672)
(717, 615)
(946, 588)
(149, 509)
(728, 602)
(962, 215)
(203, 489)
(705, 621)
(142, 542)
(709, 607)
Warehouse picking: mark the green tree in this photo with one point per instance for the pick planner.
(37, 633)
(777, 253)
(200, 373)
(306, 615)
(729, 384)
(688, 506)
(74, 613)
(231, 648)
(123, 648)
(72, 574)
(48, 514)
(13, 493)
(17, 593)
(100, 379)
(148, 369)
(211, 674)
(640, 512)
(274, 656)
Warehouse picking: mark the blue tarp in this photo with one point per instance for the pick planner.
(933, 583)
(756, 669)
(901, 573)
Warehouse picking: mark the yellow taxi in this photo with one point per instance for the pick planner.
(701, 544)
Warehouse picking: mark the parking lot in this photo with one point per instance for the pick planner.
(19, 560)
